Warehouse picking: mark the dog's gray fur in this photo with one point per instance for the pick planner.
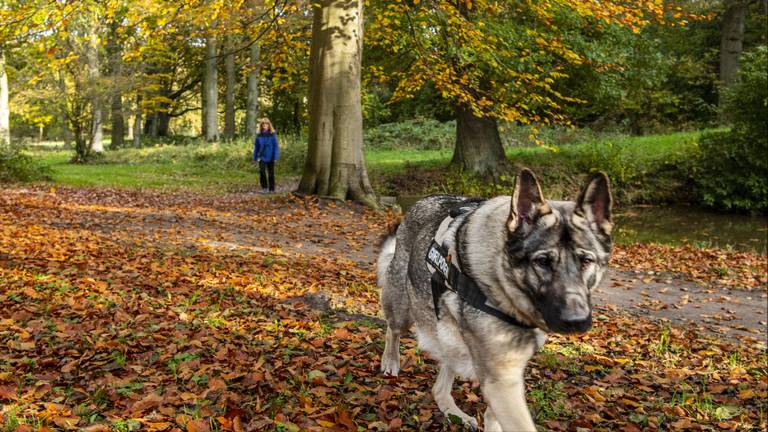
(535, 260)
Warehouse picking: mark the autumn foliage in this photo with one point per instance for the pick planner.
(126, 310)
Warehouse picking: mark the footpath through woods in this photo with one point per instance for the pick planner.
(126, 310)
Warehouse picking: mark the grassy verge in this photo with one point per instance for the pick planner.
(643, 169)
(649, 169)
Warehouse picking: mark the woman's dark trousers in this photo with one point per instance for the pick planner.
(267, 175)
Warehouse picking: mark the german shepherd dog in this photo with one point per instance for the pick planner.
(533, 264)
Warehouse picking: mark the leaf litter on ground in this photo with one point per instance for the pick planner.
(124, 310)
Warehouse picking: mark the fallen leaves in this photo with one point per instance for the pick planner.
(711, 267)
(114, 314)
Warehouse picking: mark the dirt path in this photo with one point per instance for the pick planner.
(725, 312)
(283, 224)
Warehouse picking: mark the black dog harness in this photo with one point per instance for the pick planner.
(448, 277)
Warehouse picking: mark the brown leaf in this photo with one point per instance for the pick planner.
(237, 424)
(68, 423)
(157, 426)
(7, 392)
(199, 425)
(96, 428)
(151, 401)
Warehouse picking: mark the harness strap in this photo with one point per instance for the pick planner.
(471, 294)
(464, 286)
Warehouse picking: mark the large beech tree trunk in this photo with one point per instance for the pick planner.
(252, 104)
(731, 40)
(478, 145)
(335, 166)
(94, 74)
(210, 91)
(229, 100)
(5, 109)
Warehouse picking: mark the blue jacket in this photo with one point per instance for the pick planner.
(265, 147)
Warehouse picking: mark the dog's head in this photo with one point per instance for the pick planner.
(558, 251)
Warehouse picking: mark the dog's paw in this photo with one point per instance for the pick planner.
(491, 424)
(472, 425)
(389, 367)
(469, 423)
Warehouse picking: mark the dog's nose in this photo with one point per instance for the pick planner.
(577, 325)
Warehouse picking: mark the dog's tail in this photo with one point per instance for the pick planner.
(386, 253)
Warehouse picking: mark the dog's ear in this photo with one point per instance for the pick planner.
(527, 202)
(594, 203)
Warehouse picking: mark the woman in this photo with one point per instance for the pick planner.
(266, 152)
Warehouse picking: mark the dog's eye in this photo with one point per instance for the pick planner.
(586, 260)
(543, 261)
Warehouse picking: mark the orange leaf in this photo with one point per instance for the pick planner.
(199, 425)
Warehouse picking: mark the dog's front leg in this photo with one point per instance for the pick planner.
(442, 393)
(507, 410)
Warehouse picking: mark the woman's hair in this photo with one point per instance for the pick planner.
(269, 123)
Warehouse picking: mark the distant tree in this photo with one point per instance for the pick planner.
(252, 97)
(114, 52)
(5, 128)
(229, 89)
(493, 60)
(210, 90)
(94, 89)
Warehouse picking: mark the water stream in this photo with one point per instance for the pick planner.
(678, 225)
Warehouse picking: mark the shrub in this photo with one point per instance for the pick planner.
(732, 169)
(610, 157)
(416, 134)
(15, 166)
(732, 172)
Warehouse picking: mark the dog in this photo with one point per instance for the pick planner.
(482, 281)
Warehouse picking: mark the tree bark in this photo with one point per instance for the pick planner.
(229, 92)
(479, 149)
(335, 166)
(94, 75)
(5, 109)
(118, 122)
(210, 91)
(731, 40)
(116, 70)
(137, 123)
(252, 104)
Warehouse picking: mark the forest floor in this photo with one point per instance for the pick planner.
(134, 310)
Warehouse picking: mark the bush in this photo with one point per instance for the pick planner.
(414, 134)
(610, 157)
(15, 166)
(731, 170)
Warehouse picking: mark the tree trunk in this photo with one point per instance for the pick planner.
(335, 165)
(137, 123)
(94, 75)
(5, 109)
(229, 100)
(731, 40)
(116, 70)
(62, 109)
(118, 122)
(157, 124)
(210, 91)
(478, 145)
(252, 104)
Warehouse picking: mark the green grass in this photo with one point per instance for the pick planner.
(227, 166)
(640, 149)
(170, 175)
